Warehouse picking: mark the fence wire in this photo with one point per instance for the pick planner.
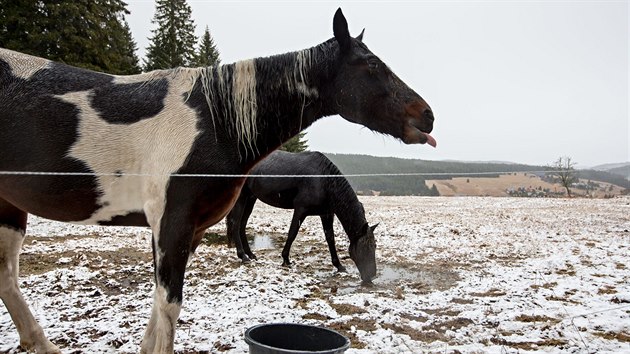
(187, 175)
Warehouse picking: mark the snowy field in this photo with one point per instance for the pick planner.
(457, 275)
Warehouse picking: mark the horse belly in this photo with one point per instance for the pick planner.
(120, 197)
(58, 198)
(76, 199)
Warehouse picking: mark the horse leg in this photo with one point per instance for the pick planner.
(172, 247)
(12, 230)
(247, 211)
(230, 220)
(236, 221)
(327, 223)
(298, 218)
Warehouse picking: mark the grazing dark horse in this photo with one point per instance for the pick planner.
(323, 196)
(112, 149)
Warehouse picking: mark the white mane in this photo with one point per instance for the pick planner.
(237, 93)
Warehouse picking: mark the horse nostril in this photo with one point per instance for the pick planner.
(428, 114)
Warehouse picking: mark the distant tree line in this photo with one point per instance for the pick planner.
(623, 171)
(95, 35)
(604, 176)
(431, 170)
(89, 34)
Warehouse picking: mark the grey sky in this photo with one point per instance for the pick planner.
(521, 81)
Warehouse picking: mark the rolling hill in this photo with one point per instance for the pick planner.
(397, 176)
(621, 169)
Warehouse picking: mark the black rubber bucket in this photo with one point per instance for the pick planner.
(291, 338)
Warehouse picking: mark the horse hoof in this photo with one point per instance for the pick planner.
(342, 269)
(286, 264)
(245, 259)
(367, 284)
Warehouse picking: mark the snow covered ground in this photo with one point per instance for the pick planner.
(457, 275)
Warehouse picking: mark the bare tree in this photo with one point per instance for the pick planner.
(563, 170)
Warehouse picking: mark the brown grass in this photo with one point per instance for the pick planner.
(497, 186)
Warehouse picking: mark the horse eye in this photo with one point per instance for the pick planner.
(372, 64)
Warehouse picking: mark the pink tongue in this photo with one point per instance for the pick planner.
(430, 140)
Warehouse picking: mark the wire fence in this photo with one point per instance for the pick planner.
(392, 174)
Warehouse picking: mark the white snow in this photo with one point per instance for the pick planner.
(469, 275)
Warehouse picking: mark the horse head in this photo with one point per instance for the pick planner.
(363, 252)
(367, 92)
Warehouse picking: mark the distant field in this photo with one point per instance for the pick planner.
(498, 187)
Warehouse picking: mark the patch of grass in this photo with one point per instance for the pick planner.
(223, 347)
(544, 286)
(529, 345)
(607, 290)
(557, 298)
(536, 318)
(442, 312)
(450, 324)
(420, 287)
(345, 328)
(347, 309)
(426, 336)
(124, 257)
(618, 336)
(566, 271)
(416, 318)
(494, 292)
(315, 316)
(213, 238)
(462, 301)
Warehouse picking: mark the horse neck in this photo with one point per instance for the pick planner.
(263, 102)
(346, 207)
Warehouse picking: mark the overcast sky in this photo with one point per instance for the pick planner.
(520, 81)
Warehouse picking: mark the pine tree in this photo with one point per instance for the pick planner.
(173, 41)
(296, 143)
(208, 54)
(20, 22)
(89, 34)
(127, 60)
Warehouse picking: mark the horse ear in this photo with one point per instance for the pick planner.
(340, 29)
(375, 225)
(360, 36)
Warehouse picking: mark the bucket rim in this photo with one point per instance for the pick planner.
(249, 340)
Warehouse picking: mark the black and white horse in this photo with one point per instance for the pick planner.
(307, 196)
(112, 149)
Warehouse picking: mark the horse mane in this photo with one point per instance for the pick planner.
(344, 200)
(231, 95)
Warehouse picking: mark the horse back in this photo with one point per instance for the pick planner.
(295, 188)
(55, 118)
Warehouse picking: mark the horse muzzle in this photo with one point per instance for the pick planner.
(419, 124)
